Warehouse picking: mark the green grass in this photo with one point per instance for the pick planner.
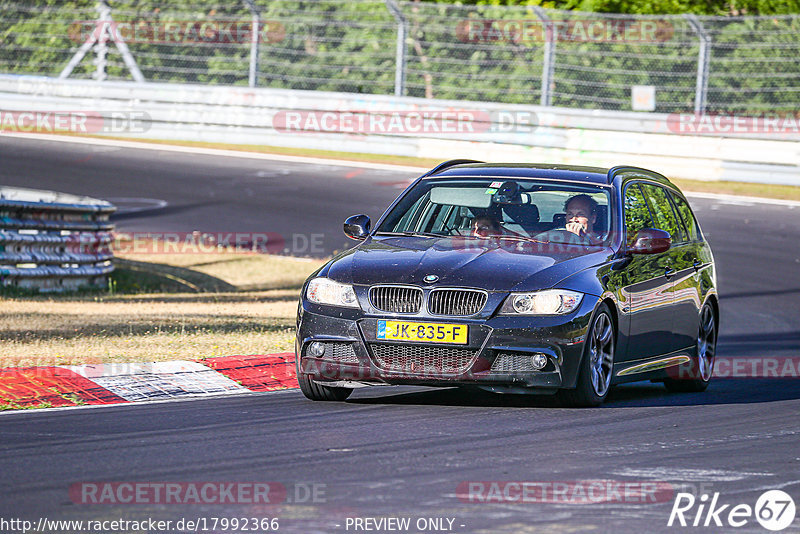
(162, 307)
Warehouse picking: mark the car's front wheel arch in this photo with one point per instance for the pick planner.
(585, 392)
(612, 307)
(614, 314)
(712, 300)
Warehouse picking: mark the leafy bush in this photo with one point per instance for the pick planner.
(343, 45)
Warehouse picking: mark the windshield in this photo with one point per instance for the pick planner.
(523, 210)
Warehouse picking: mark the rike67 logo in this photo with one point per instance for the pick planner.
(774, 510)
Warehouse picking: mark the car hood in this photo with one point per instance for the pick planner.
(494, 265)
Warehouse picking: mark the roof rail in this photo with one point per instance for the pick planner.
(442, 166)
(613, 171)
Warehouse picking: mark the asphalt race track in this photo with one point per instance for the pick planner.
(406, 452)
(300, 202)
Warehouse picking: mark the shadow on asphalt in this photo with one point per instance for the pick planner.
(751, 343)
(410, 395)
(645, 394)
(720, 391)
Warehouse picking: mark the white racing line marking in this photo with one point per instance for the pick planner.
(688, 475)
(134, 204)
(158, 380)
(329, 162)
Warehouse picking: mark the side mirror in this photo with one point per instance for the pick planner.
(357, 227)
(650, 241)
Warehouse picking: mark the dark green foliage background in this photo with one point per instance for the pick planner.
(341, 45)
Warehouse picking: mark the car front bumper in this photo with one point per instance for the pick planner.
(497, 355)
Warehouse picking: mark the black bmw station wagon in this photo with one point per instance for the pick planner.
(516, 278)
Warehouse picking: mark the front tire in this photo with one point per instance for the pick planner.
(597, 364)
(318, 392)
(702, 367)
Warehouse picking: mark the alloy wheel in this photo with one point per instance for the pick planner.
(706, 343)
(601, 354)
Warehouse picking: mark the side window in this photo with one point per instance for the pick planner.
(405, 222)
(685, 212)
(663, 213)
(441, 218)
(432, 214)
(637, 216)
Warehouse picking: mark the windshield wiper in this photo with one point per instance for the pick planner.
(509, 237)
(429, 234)
(411, 234)
(519, 238)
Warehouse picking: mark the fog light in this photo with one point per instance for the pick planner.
(316, 349)
(538, 361)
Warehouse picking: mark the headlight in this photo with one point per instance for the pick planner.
(326, 291)
(547, 302)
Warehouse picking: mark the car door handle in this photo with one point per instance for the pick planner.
(669, 272)
(697, 264)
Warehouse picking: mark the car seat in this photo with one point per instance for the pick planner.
(522, 219)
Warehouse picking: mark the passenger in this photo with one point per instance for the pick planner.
(486, 227)
(581, 213)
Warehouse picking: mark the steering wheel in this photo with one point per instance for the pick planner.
(562, 235)
(451, 230)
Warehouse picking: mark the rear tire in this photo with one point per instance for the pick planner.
(597, 364)
(702, 366)
(318, 392)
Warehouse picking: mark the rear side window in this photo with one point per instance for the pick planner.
(663, 213)
(686, 214)
(637, 216)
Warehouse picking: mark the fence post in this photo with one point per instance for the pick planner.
(101, 48)
(99, 38)
(255, 38)
(400, 55)
(549, 55)
(703, 62)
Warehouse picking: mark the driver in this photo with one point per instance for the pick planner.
(581, 213)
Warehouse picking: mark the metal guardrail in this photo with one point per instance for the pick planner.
(243, 115)
(54, 241)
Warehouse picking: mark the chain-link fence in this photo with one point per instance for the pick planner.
(522, 55)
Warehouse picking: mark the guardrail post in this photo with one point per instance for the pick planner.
(254, 42)
(548, 63)
(101, 49)
(703, 63)
(400, 55)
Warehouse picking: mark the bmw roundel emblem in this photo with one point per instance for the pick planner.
(431, 278)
